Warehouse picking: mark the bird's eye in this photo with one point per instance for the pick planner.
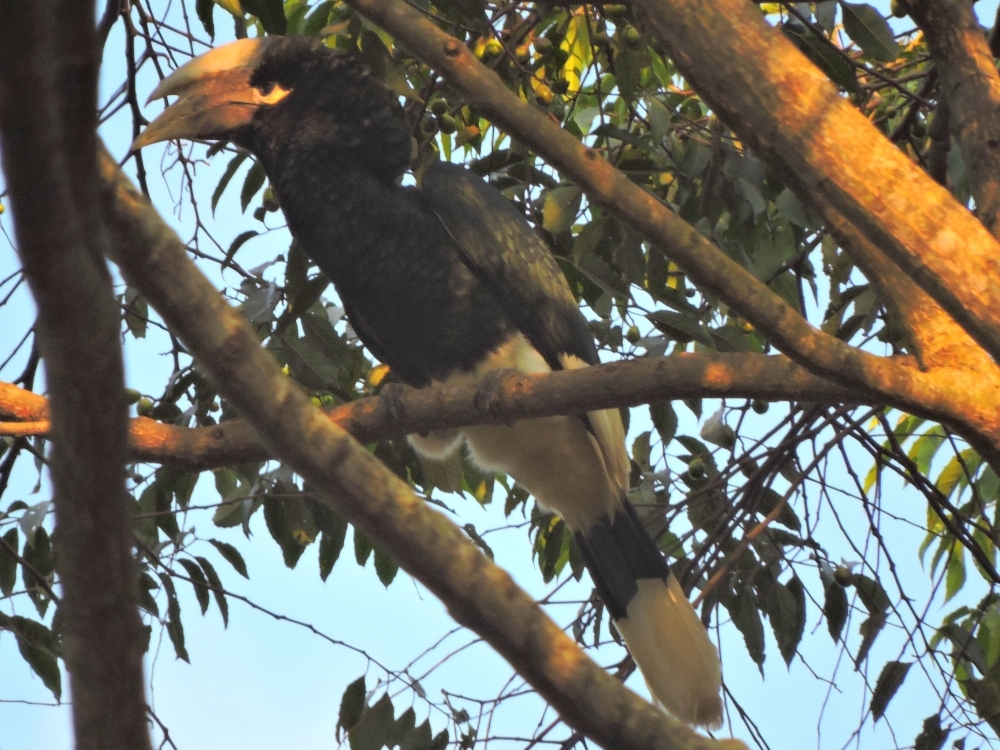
(266, 88)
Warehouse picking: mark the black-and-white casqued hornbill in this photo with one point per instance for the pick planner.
(446, 283)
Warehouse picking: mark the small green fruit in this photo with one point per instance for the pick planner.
(439, 106)
(696, 467)
(447, 123)
(494, 47)
(615, 11)
(271, 202)
(843, 575)
(600, 38)
(632, 334)
(632, 37)
(131, 396)
(760, 406)
(542, 45)
(144, 407)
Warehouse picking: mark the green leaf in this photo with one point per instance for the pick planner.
(217, 590)
(680, 327)
(198, 582)
(869, 630)
(232, 555)
(279, 524)
(362, 546)
(175, 629)
(470, 12)
(966, 647)
(232, 6)
(231, 168)
(790, 623)
(824, 57)
(204, 10)
(375, 726)
(270, 12)
(385, 567)
(866, 26)
(640, 450)
(352, 704)
(889, 681)
(932, 736)
(39, 557)
(445, 474)
(254, 182)
(835, 609)
(8, 562)
(419, 738)
(136, 312)
(743, 611)
(309, 364)
(872, 594)
(955, 573)
(39, 647)
(925, 447)
(664, 419)
(241, 239)
(560, 208)
(787, 517)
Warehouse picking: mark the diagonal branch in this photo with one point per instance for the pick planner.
(787, 110)
(478, 594)
(48, 104)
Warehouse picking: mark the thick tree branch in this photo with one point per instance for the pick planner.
(708, 266)
(400, 410)
(971, 85)
(477, 593)
(785, 108)
(48, 104)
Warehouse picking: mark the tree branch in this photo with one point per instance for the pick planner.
(433, 550)
(400, 410)
(971, 85)
(48, 104)
(786, 109)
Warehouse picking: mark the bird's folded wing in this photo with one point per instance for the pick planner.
(506, 254)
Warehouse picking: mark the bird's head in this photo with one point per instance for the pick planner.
(273, 94)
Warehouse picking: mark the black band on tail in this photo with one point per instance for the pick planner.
(618, 553)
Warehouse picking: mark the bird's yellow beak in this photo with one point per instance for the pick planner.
(214, 95)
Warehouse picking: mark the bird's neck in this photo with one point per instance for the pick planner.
(338, 209)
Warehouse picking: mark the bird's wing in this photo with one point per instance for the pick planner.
(507, 256)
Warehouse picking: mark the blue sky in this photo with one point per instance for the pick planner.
(263, 683)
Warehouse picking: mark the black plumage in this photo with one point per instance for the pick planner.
(445, 283)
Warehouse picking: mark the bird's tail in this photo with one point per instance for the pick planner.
(658, 623)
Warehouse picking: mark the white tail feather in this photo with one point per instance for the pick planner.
(672, 648)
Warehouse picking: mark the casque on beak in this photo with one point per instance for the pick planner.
(214, 95)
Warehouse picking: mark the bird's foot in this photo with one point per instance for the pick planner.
(391, 397)
(489, 390)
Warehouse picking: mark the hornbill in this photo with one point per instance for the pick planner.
(447, 283)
